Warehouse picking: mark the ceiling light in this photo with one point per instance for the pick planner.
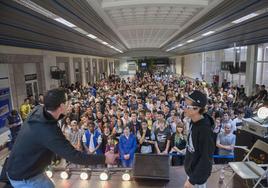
(65, 22)
(33, 6)
(92, 36)
(208, 33)
(105, 43)
(191, 40)
(244, 18)
(179, 45)
(170, 49)
(117, 49)
(81, 30)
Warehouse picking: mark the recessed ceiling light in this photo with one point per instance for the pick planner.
(170, 49)
(64, 22)
(80, 30)
(191, 40)
(92, 36)
(105, 43)
(179, 45)
(208, 33)
(33, 6)
(244, 18)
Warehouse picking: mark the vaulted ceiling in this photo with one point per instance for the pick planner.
(149, 23)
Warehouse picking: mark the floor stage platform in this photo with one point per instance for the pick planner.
(177, 179)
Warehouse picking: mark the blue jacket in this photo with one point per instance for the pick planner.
(95, 139)
(93, 91)
(127, 146)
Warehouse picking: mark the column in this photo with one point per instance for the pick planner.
(251, 68)
(97, 68)
(71, 71)
(178, 65)
(83, 72)
(91, 71)
(204, 75)
(113, 67)
(108, 68)
(14, 100)
(48, 61)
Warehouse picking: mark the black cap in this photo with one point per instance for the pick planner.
(198, 98)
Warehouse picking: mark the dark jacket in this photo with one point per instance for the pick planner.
(134, 127)
(38, 140)
(181, 145)
(198, 159)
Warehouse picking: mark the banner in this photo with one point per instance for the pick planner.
(5, 105)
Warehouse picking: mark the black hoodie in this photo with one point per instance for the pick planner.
(38, 140)
(199, 151)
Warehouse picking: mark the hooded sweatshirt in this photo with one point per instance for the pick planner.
(38, 140)
(199, 151)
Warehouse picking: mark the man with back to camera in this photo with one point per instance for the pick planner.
(200, 143)
(38, 140)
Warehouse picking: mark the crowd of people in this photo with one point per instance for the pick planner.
(145, 114)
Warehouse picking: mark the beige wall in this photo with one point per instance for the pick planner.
(16, 62)
(193, 65)
(178, 65)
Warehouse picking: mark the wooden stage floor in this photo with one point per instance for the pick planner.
(177, 179)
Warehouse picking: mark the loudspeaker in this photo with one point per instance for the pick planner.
(57, 75)
(151, 166)
(245, 138)
(234, 69)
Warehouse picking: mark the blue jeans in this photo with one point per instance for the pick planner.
(39, 181)
(127, 163)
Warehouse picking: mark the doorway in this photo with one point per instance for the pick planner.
(32, 88)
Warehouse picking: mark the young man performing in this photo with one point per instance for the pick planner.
(38, 140)
(200, 143)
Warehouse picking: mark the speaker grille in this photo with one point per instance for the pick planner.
(150, 166)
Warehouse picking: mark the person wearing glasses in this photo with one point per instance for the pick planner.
(200, 143)
(39, 139)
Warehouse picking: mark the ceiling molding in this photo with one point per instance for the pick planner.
(122, 28)
(124, 3)
(145, 52)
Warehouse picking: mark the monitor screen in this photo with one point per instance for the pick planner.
(143, 64)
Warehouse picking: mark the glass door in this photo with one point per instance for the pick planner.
(32, 88)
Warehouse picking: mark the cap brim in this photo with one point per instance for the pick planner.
(196, 104)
